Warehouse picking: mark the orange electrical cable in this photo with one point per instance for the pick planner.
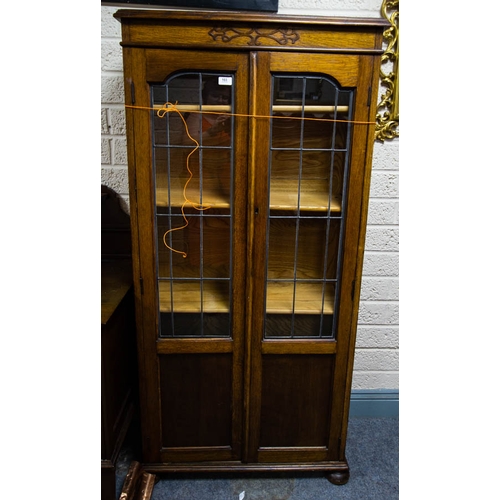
(168, 107)
(172, 107)
(164, 110)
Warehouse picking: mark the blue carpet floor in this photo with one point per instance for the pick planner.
(372, 452)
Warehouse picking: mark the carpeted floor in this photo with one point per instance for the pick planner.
(372, 453)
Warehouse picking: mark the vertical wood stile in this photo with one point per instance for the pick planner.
(252, 131)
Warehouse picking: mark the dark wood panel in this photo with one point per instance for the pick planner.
(118, 347)
(196, 399)
(115, 227)
(118, 376)
(116, 283)
(108, 481)
(296, 392)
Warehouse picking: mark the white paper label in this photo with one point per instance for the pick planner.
(226, 80)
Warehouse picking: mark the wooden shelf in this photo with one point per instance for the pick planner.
(187, 297)
(308, 298)
(313, 195)
(277, 108)
(284, 196)
(212, 196)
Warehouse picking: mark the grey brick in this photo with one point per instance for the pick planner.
(378, 313)
(105, 151)
(119, 151)
(382, 239)
(112, 91)
(117, 122)
(381, 264)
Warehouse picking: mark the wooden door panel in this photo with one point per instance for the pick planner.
(296, 397)
(195, 393)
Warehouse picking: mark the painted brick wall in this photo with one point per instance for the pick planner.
(113, 141)
(377, 350)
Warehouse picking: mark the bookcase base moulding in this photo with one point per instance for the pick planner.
(250, 141)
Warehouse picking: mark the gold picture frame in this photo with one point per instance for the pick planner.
(387, 119)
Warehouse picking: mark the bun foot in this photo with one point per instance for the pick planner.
(338, 477)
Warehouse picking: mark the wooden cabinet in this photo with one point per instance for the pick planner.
(249, 142)
(118, 351)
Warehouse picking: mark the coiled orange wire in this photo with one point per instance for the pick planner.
(169, 107)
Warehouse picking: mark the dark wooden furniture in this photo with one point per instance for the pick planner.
(249, 144)
(118, 349)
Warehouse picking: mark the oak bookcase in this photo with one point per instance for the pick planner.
(250, 141)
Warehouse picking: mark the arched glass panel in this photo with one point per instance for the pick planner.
(308, 171)
(193, 173)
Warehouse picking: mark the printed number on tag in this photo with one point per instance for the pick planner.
(225, 80)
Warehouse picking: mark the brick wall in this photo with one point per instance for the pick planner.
(377, 349)
(376, 362)
(113, 141)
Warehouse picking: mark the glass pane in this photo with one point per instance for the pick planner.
(205, 103)
(193, 164)
(194, 308)
(192, 325)
(307, 180)
(299, 325)
(171, 236)
(302, 248)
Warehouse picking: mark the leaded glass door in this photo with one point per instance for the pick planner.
(194, 164)
(308, 170)
(198, 159)
(301, 315)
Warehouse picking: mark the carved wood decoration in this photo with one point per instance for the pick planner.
(388, 108)
(281, 36)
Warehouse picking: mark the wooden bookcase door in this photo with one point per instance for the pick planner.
(191, 198)
(308, 179)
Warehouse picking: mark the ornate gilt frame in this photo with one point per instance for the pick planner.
(387, 120)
